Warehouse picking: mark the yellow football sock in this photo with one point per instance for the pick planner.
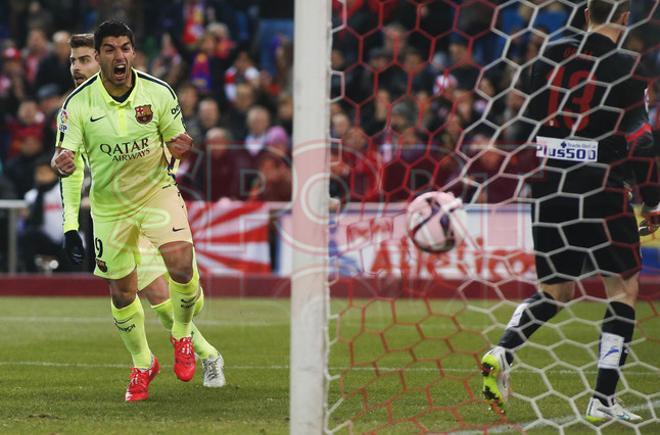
(184, 298)
(129, 321)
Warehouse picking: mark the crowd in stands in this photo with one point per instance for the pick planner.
(425, 93)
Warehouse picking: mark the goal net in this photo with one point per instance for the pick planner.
(429, 95)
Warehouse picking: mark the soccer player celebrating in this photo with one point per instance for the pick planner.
(127, 123)
(593, 140)
(151, 271)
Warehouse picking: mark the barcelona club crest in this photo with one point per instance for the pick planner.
(143, 114)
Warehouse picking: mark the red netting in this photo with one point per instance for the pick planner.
(429, 95)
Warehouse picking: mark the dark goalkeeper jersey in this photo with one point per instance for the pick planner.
(588, 97)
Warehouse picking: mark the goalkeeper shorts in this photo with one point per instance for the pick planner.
(571, 244)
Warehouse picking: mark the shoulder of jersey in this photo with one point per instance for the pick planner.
(155, 83)
(558, 46)
(80, 90)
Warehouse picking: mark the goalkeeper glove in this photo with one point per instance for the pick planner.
(651, 220)
(73, 245)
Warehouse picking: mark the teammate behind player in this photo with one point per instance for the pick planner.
(151, 271)
(123, 120)
(593, 140)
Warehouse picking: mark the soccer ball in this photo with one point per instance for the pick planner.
(436, 221)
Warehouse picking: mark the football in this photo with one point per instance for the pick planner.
(436, 221)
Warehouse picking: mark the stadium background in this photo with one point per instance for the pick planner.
(411, 81)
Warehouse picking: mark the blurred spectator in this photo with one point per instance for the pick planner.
(486, 168)
(273, 182)
(242, 71)
(29, 122)
(420, 75)
(411, 169)
(39, 17)
(395, 39)
(404, 116)
(206, 68)
(54, 68)
(35, 52)
(376, 114)
(354, 168)
(225, 46)
(278, 142)
(208, 115)
(188, 101)
(258, 121)
(168, 65)
(463, 66)
(42, 230)
(339, 125)
(50, 101)
(285, 112)
(13, 84)
(235, 116)
(382, 71)
(450, 138)
(225, 170)
(20, 169)
(283, 79)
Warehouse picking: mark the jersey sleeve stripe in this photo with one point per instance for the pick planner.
(78, 89)
(155, 80)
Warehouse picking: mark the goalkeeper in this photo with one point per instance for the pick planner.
(135, 204)
(593, 140)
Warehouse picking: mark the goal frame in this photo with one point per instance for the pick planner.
(309, 275)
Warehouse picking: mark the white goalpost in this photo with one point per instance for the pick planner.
(309, 278)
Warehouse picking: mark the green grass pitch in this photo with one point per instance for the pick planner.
(64, 369)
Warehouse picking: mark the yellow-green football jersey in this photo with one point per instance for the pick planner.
(124, 142)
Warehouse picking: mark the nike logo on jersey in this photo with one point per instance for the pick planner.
(92, 119)
(177, 229)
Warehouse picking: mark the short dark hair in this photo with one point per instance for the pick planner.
(82, 40)
(112, 28)
(607, 11)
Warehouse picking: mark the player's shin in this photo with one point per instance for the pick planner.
(184, 299)
(616, 333)
(129, 321)
(529, 316)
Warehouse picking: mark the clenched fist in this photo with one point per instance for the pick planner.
(180, 145)
(63, 162)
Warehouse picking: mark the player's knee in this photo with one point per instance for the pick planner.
(561, 292)
(181, 269)
(182, 273)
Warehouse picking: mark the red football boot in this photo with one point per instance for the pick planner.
(138, 386)
(184, 358)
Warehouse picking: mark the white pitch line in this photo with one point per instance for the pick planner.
(536, 424)
(286, 367)
(57, 319)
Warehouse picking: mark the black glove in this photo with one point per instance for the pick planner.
(73, 245)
